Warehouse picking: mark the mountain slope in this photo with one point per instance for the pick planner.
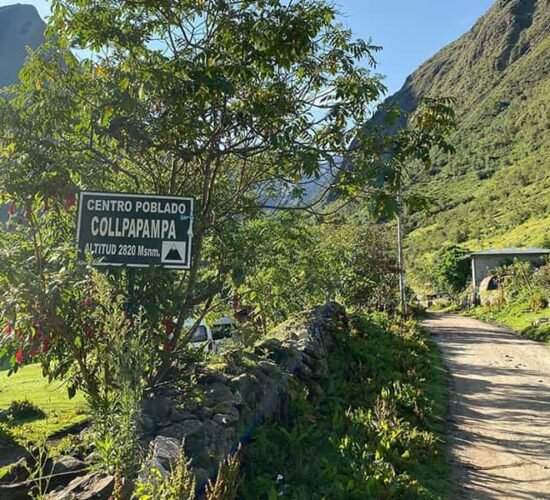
(20, 27)
(496, 190)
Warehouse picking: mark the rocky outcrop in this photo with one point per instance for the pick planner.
(20, 28)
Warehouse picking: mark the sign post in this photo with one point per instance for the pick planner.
(135, 230)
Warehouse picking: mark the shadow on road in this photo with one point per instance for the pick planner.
(499, 410)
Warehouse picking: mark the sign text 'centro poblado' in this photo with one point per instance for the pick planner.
(136, 230)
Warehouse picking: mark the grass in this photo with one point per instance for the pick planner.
(375, 430)
(61, 412)
(435, 474)
(517, 317)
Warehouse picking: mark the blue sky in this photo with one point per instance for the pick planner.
(410, 31)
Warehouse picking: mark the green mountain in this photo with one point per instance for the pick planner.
(495, 191)
(20, 27)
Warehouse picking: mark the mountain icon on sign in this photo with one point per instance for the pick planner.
(173, 252)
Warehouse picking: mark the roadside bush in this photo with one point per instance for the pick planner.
(541, 278)
(452, 269)
(23, 410)
(537, 301)
(373, 431)
(180, 484)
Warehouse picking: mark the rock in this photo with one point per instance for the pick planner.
(172, 431)
(183, 430)
(67, 464)
(244, 383)
(315, 350)
(272, 345)
(202, 477)
(190, 427)
(204, 412)
(153, 465)
(212, 431)
(18, 491)
(147, 424)
(190, 432)
(268, 367)
(304, 372)
(194, 437)
(211, 377)
(157, 408)
(218, 393)
(177, 415)
(93, 486)
(166, 450)
(227, 417)
(19, 472)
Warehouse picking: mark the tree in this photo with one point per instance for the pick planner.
(363, 264)
(232, 103)
(287, 267)
(452, 269)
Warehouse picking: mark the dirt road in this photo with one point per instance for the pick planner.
(499, 419)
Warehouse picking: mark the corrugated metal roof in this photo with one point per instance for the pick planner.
(513, 251)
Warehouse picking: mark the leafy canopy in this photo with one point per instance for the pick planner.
(238, 104)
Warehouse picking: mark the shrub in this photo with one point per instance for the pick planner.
(180, 483)
(452, 270)
(23, 410)
(538, 301)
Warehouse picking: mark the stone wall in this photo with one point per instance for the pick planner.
(249, 387)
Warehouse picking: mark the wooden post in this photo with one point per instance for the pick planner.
(401, 261)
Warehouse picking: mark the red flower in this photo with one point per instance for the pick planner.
(19, 357)
(168, 347)
(11, 209)
(70, 202)
(169, 325)
(7, 330)
(33, 352)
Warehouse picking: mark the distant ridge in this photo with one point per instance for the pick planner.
(20, 27)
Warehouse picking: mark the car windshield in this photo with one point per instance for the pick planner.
(200, 335)
(220, 332)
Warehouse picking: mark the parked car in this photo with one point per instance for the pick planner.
(224, 327)
(202, 337)
(212, 338)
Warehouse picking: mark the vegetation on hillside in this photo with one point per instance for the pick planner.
(375, 431)
(495, 191)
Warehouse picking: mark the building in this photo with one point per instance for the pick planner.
(484, 262)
